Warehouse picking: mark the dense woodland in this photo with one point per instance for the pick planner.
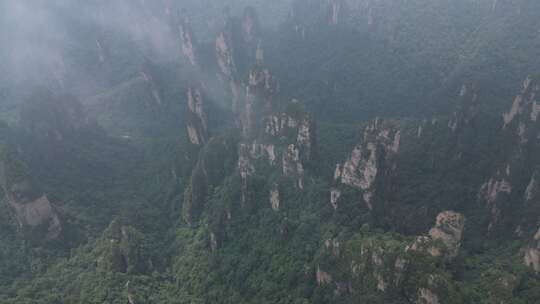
(291, 151)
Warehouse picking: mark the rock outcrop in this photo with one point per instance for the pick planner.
(30, 206)
(525, 108)
(245, 169)
(197, 125)
(288, 137)
(373, 158)
(521, 134)
(532, 192)
(531, 256)
(35, 213)
(130, 294)
(260, 96)
(444, 239)
(427, 295)
(225, 56)
(323, 277)
(492, 189)
(273, 139)
(449, 229)
(467, 109)
(188, 42)
(335, 194)
(522, 118)
(495, 189)
(372, 262)
(292, 165)
(228, 72)
(274, 197)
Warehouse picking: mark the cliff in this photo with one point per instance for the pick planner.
(29, 205)
(371, 161)
(393, 265)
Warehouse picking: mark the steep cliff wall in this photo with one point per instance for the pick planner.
(513, 182)
(371, 161)
(197, 123)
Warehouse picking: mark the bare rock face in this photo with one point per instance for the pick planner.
(247, 113)
(333, 245)
(31, 207)
(130, 294)
(296, 138)
(248, 155)
(292, 166)
(274, 197)
(335, 194)
(448, 232)
(535, 112)
(449, 229)
(532, 193)
(427, 296)
(522, 118)
(36, 213)
(525, 105)
(492, 189)
(196, 119)
(264, 82)
(225, 55)
(260, 96)
(277, 137)
(303, 129)
(531, 256)
(371, 159)
(245, 168)
(360, 171)
(247, 97)
(189, 46)
(522, 130)
(306, 138)
(261, 150)
(467, 110)
(323, 277)
(224, 50)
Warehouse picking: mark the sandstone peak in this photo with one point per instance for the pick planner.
(449, 229)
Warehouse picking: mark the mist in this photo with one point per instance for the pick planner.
(269, 151)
